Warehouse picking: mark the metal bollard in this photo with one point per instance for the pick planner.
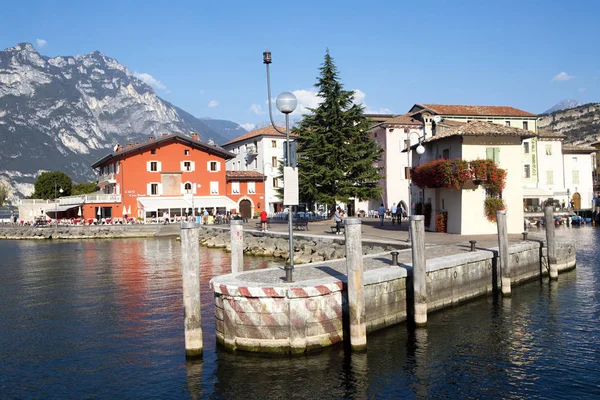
(394, 258)
(472, 244)
(525, 236)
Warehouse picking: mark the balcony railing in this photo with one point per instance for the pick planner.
(251, 151)
(81, 199)
(104, 178)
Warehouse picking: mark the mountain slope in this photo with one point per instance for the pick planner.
(563, 105)
(64, 113)
(580, 124)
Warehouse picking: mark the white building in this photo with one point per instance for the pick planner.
(260, 150)
(578, 174)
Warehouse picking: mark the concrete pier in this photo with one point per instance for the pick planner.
(417, 226)
(190, 258)
(551, 240)
(356, 297)
(503, 253)
(237, 245)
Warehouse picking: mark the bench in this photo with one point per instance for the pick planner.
(334, 229)
(301, 225)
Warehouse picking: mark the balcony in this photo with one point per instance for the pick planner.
(77, 200)
(251, 151)
(106, 179)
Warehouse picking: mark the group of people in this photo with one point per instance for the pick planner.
(338, 218)
(397, 212)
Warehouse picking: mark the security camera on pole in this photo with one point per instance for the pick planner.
(286, 103)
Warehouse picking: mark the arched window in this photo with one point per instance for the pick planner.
(188, 188)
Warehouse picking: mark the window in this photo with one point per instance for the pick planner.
(403, 144)
(548, 149)
(153, 166)
(525, 125)
(154, 189)
(550, 177)
(446, 154)
(187, 188)
(214, 166)
(526, 147)
(275, 182)
(186, 152)
(574, 160)
(493, 153)
(251, 187)
(507, 123)
(235, 188)
(274, 162)
(527, 171)
(406, 173)
(575, 177)
(153, 151)
(274, 144)
(214, 188)
(187, 166)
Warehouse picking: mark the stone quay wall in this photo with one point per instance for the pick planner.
(309, 315)
(88, 231)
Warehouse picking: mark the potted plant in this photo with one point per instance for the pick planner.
(491, 205)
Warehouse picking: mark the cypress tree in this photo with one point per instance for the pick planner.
(336, 153)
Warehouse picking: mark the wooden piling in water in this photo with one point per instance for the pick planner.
(503, 252)
(356, 294)
(551, 241)
(237, 245)
(190, 259)
(417, 226)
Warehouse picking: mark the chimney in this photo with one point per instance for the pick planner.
(136, 143)
(165, 134)
(151, 138)
(195, 136)
(129, 145)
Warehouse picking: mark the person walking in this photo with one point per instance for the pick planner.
(263, 220)
(381, 212)
(394, 213)
(338, 217)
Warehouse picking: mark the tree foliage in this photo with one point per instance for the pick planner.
(48, 185)
(336, 154)
(83, 188)
(4, 192)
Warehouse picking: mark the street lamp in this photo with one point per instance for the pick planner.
(420, 150)
(286, 103)
(56, 201)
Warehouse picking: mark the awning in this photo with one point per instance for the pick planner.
(537, 192)
(199, 202)
(61, 208)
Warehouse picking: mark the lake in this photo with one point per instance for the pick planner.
(104, 319)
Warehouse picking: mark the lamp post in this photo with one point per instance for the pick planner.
(286, 103)
(420, 150)
(56, 201)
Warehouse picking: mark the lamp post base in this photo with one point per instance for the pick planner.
(288, 273)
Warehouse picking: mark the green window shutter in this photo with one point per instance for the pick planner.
(489, 153)
(493, 153)
(576, 177)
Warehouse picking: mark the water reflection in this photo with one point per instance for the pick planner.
(105, 319)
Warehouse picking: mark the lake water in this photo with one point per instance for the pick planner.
(104, 319)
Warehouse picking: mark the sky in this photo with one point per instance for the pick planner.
(206, 56)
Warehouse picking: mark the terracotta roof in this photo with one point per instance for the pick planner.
(177, 137)
(480, 128)
(578, 149)
(497, 111)
(244, 176)
(379, 117)
(264, 131)
(404, 119)
(551, 134)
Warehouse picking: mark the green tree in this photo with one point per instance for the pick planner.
(83, 188)
(336, 153)
(4, 192)
(49, 183)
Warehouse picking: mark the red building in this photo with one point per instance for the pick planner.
(173, 175)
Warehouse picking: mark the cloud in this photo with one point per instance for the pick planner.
(41, 42)
(213, 103)
(563, 76)
(256, 109)
(249, 127)
(149, 80)
(581, 90)
(306, 99)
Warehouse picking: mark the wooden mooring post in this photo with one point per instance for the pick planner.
(503, 252)
(356, 284)
(417, 226)
(237, 245)
(190, 259)
(551, 241)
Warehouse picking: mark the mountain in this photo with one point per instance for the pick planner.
(581, 124)
(563, 105)
(64, 113)
(227, 129)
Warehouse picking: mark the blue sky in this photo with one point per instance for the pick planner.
(206, 56)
